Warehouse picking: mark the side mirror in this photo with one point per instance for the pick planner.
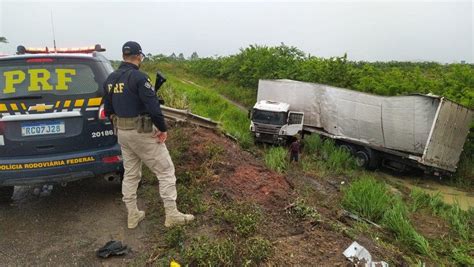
(249, 114)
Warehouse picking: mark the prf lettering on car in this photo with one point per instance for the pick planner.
(39, 80)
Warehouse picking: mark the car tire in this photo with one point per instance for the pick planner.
(6, 193)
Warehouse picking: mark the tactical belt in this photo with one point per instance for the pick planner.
(142, 123)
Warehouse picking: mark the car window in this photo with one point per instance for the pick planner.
(58, 78)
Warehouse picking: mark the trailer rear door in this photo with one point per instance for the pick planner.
(447, 136)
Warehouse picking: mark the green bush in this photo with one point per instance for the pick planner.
(367, 198)
(276, 158)
(383, 78)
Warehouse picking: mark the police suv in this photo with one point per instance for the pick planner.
(53, 127)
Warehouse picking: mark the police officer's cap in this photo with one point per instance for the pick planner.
(132, 48)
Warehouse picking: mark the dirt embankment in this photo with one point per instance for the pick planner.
(67, 227)
(240, 176)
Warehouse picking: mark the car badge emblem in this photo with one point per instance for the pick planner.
(40, 107)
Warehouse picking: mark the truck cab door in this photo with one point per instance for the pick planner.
(295, 123)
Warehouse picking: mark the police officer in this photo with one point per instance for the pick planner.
(134, 108)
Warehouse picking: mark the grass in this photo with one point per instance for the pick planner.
(205, 252)
(324, 154)
(460, 220)
(256, 250)
(227, 252)
(367, 198)
(312, 144)
(172, 97)
(243, 217)
(339, 161)
(460, 254)
(245, 96)
(372, 200)
(464, 176)
(301, 209)
(190, 199)
(420, 199)
(175, 237)
(396, 220)
(237, 226)
(180, 144)
(277, 159)
(207, 103)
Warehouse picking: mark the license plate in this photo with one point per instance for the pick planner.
(42, 128)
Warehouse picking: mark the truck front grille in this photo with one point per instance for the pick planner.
(266, 128)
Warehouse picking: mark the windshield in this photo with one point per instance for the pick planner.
(269, 117)
(59, 77)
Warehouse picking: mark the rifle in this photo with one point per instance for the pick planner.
(160, 80)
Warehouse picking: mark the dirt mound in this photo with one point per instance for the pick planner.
(236, 172)
(252, 182)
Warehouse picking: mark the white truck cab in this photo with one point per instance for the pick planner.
(273, 122)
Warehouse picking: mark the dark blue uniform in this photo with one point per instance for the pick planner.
(129, 93)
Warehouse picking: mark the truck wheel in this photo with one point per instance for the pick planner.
(362, 159)
(350, 149)
(6, 193)
(367, 159)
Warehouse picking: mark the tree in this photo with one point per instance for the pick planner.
(3, 40)
(194, 55)
(172, 56)
(181, 57)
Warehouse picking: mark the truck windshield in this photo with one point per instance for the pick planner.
(269, 117)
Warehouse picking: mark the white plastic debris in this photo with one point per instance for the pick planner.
(360, 255)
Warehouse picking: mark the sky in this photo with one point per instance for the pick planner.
(365, 30)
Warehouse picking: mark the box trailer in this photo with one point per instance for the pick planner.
(424, 131)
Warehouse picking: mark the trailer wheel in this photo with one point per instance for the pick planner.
(6, 193)
(348, 148)
(368, 159)
(362, 159)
